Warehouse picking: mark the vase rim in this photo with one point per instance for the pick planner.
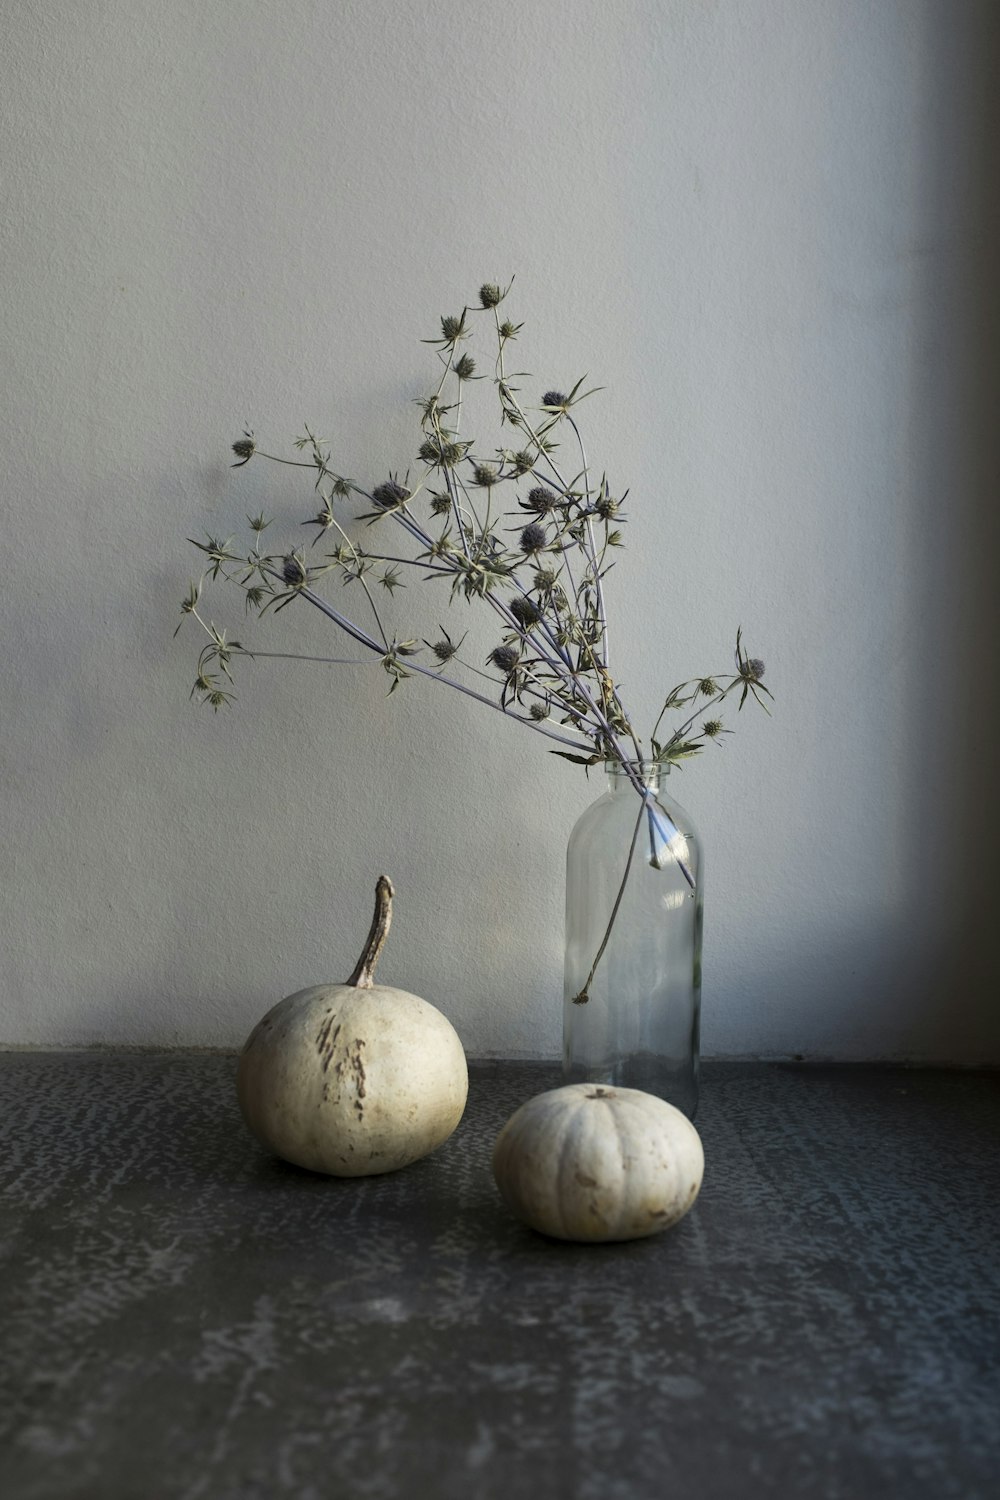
(648, 769)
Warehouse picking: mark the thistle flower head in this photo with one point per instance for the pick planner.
(522, 462)
(244, 448)
(465, 367)
(504, 657)
(533, 538)
(554, 398)
(525, 611)
(708, 687)
(445, 453)
(445, 648)
(490, 294)
(545, 579)
(440, 504)
(712, 727)
(293, 571)
(606, 508)
(452, 329)
(485, 475)
(538, 712)
(390, 494)
(430, 406)
(540, 500)
(754, 668)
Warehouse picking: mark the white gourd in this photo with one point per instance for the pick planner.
(591, 1162)
(355, 1078)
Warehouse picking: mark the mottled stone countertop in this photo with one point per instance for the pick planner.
(184, 1318)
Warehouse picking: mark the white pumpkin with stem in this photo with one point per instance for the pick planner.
(590, 1162)
(356, 1078)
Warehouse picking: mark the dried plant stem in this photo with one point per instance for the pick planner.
(584, 995)
(411, 666)
(595, 566)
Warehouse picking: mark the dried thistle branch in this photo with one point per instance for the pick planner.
(509, 527)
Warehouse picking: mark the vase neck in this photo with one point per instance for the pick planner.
(650, 773)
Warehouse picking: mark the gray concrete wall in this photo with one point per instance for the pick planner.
(767, 228)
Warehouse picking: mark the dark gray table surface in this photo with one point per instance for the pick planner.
(183, 1316)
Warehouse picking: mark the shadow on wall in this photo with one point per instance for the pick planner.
(866, 1003)
(956, 377)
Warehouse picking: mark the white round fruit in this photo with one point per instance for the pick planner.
(356, 1078)
(591, 1162)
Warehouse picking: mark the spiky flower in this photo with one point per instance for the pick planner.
(430, 406)
(465, 367)
(712, 727)
(442, 452)
(606, 508)
(545, 579)
(452, 329)
(538, 712)
(390, 494)
(523, 462)
(525, 611)
(490, 295)
(244, 448)
(754, 669)
(445, 648)
(504, 657)
(485, 475)
(533, 538)
(440, 505)
(554, 398)
(293, 571)
(540, 500)
(708, 687)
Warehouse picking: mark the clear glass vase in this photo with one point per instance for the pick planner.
(633, 941)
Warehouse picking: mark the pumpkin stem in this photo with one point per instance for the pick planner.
(362, 978)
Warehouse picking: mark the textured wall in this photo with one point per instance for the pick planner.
(764, 226)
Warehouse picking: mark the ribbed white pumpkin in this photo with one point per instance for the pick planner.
(591, 1162)
(354, 1079)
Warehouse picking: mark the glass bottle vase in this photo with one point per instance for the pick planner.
(633, 941)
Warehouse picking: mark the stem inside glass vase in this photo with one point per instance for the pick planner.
(646, 779)
(584, 995)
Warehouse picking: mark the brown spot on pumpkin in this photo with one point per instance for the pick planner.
(354, 1062)
(326, 1041)
(359, 1067)
(600, 1093)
